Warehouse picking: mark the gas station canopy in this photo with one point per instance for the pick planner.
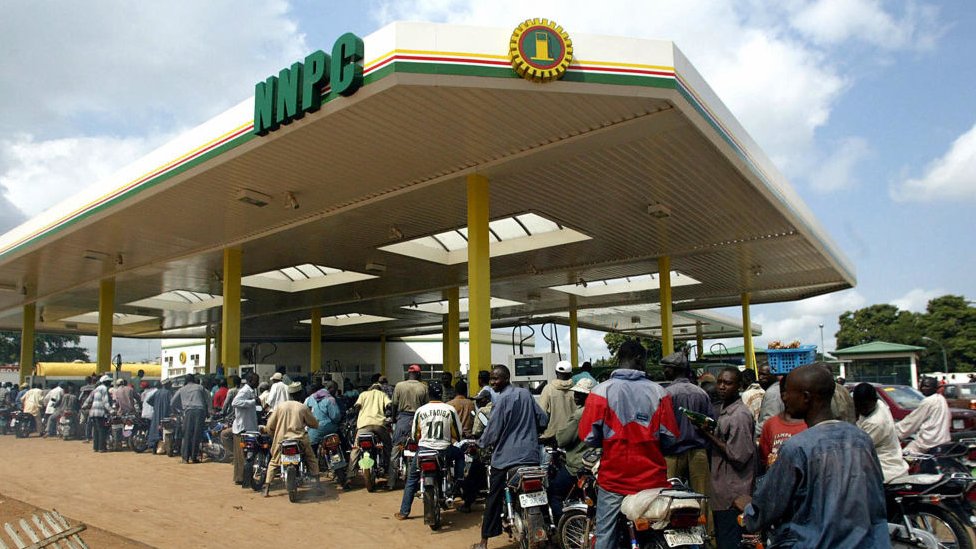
(359, 207)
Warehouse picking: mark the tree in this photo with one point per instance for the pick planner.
(47, 348)
(949, 320)
(878, 323)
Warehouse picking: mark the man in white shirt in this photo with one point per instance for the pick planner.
(278, 392)
(929, 422)
(51, 401)
(875, 419)
(245, 419)
(435, 427)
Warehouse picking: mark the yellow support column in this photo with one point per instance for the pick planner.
(573, 335)
(383, 354)
(27, 341)
(748, 349)
(452, 333)
(230, 320)
(315, 343)
(699, 340)
(479, 277)
(667, 324)
(106, 312)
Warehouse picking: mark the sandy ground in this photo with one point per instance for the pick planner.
(158, 501)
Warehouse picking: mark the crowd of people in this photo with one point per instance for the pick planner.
(767, 450)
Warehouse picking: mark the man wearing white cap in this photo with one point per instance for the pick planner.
(99, 407)
(278, 392)
(557, 399)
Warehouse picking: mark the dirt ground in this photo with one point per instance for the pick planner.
(157, 501)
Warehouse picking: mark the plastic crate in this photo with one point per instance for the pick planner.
(783, 361)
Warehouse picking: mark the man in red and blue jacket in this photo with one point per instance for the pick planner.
(631, 418)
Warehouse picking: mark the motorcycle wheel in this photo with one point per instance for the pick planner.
(138, 442)
(214, 451)
(575, 530)
(259, 470)
(174, 446)
(369, 480)
(291, 482)
(432, 508)
(340, 476)
(248, 474)
(24, 429)
(941, 523)
(533, 517)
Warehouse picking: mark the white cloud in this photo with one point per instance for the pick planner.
(38, 173)
(950, 177)
(136, 66)
(836, 172)
(916, 299)
(837, 21)
(782, 84)
(76, 109)
(829, 304)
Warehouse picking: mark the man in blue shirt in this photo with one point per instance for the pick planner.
(513, 432)
(808, 493)
(688, 456)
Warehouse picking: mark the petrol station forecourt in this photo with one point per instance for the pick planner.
(376, 188)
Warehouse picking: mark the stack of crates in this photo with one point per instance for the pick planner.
(784, 361)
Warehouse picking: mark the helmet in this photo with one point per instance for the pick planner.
(584, 385)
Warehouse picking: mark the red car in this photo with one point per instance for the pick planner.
(902, 399)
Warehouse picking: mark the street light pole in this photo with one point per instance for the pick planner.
(945, 363)
(823, 351)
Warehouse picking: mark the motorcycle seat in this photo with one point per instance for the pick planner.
(656, 504)
(914, 481)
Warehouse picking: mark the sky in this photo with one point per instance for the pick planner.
(865, 105)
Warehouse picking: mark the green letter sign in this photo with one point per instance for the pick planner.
(298, 89)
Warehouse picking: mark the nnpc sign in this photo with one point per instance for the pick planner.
(298, 89)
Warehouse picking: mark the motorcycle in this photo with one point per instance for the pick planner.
(371, 467)
(257, 454)
(939, 504)
(436, 484)
(293, 467)
(5, 417)
(67, 427)
(135, 431)
(173, 432)
(23, 424)
(526, 515)
(116, 424)
(669, 517)
(333, 457)
(576, 527)
(210, 444)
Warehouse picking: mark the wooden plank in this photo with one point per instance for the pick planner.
(56, 527)
(24, 527)
(43, 529)
(57, 537)
(13, 536)
(64, 523)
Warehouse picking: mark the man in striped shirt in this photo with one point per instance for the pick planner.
(99, 409)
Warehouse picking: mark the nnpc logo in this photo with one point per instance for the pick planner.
(540, 50)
